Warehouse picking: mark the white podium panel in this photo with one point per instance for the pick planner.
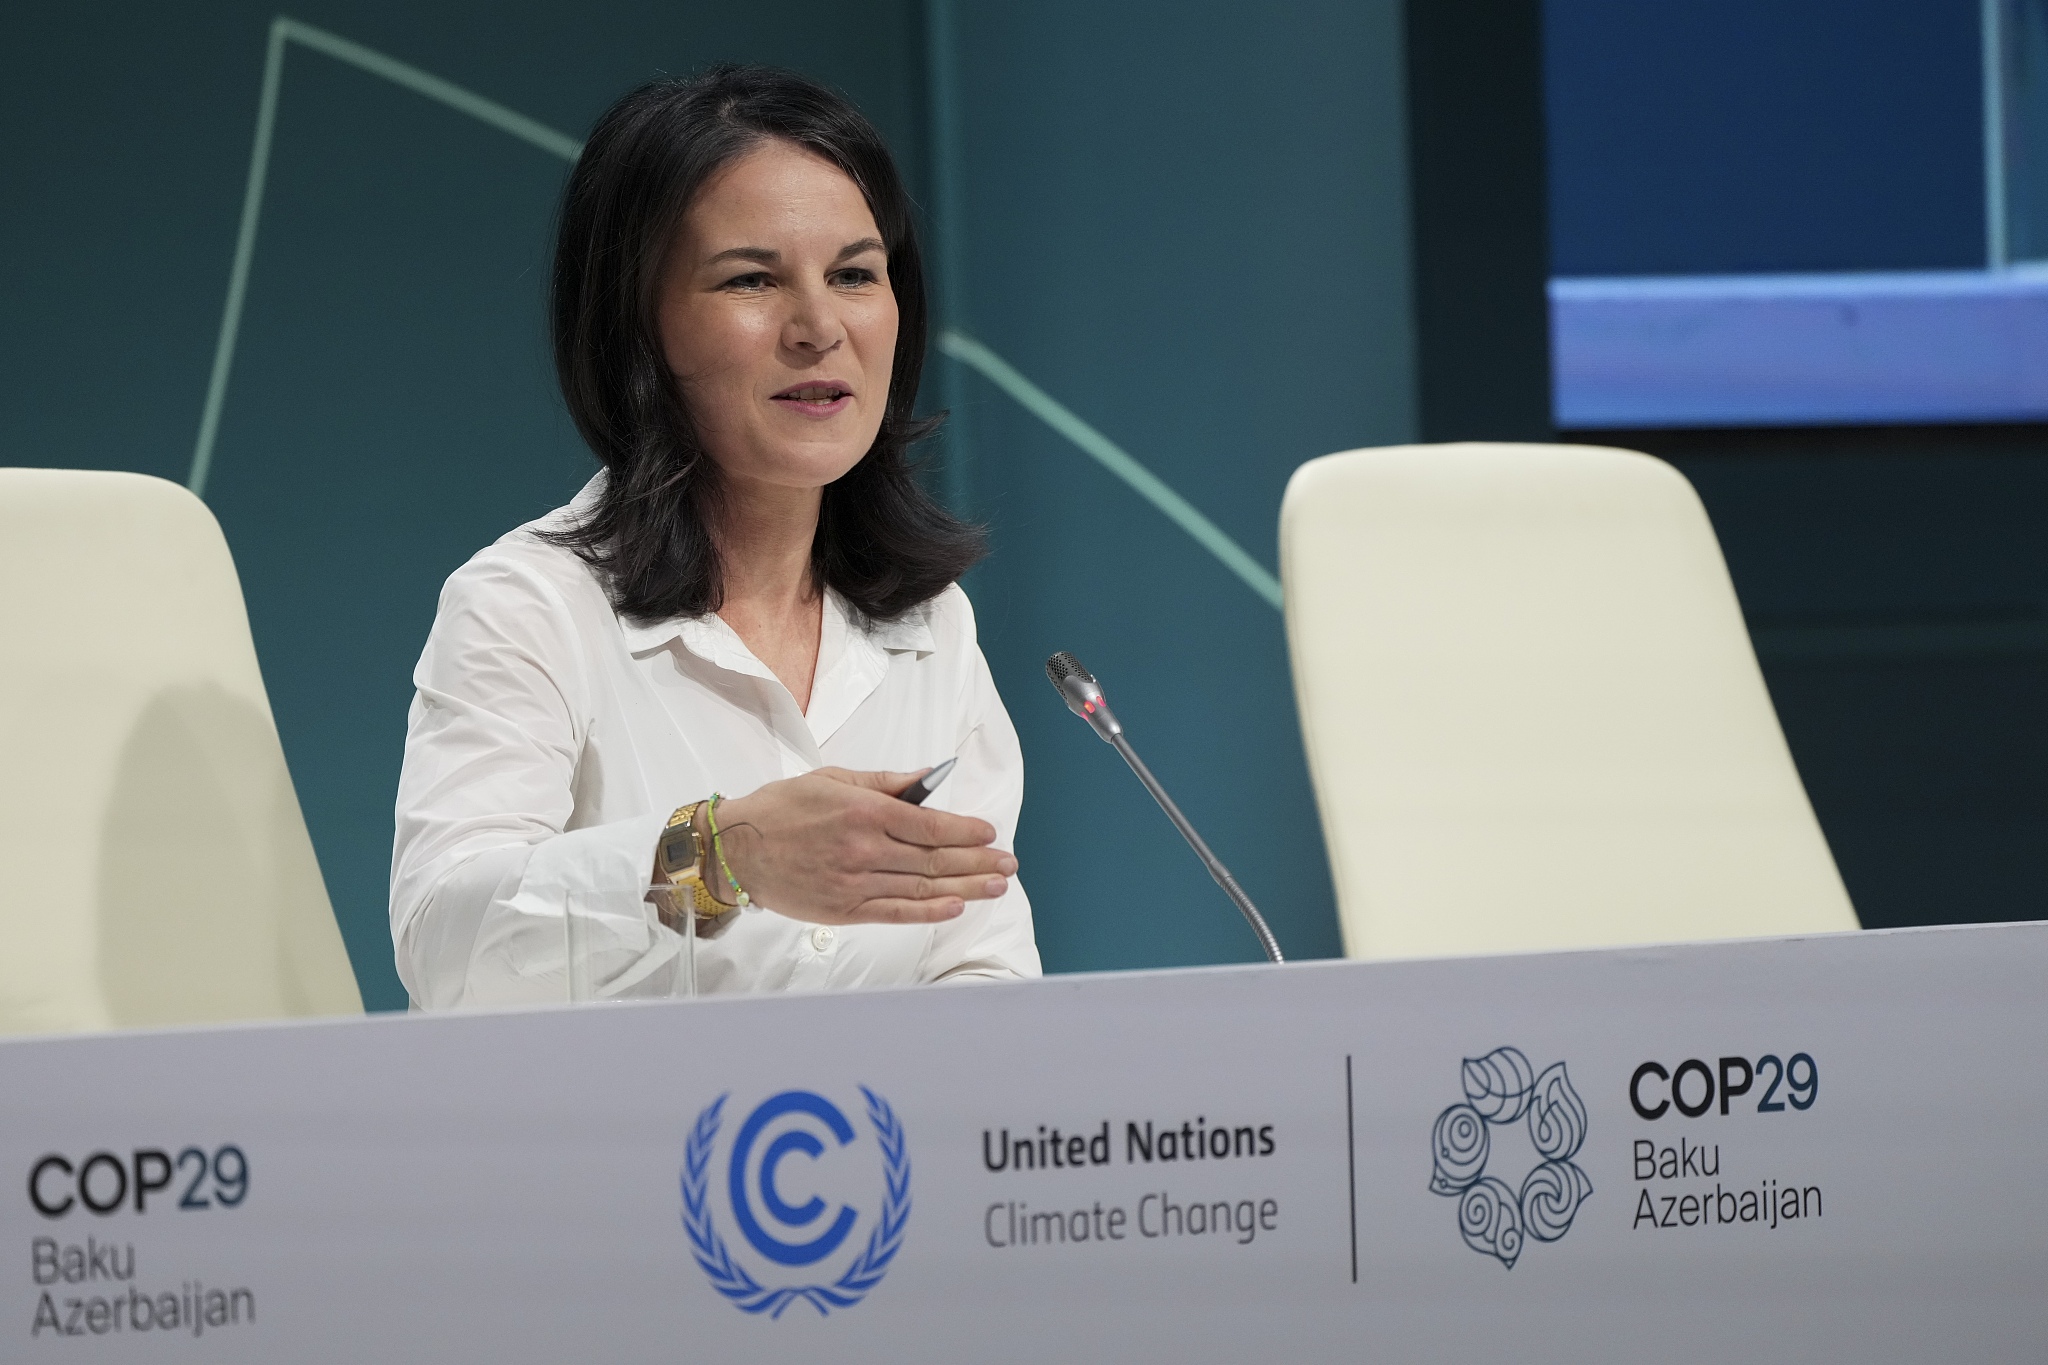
(1824, 1149)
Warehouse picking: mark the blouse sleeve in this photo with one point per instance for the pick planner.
(483, 864)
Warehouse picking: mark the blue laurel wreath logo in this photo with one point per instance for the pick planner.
(732, 1279)
(1502, 1088)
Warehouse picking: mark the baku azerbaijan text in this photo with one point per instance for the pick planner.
(121, 1307)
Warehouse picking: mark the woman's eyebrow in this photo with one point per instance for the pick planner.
(760, 255)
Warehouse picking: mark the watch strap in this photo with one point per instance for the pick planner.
(681, 858)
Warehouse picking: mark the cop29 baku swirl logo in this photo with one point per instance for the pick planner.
(1502, 1089)
(798, 1241)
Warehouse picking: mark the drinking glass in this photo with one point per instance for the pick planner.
(630, 945)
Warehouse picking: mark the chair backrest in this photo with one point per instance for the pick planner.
(154, 867)
(1533, 715)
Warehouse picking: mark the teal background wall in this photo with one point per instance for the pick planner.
(1195, 234)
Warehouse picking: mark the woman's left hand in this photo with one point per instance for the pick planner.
(837, 847)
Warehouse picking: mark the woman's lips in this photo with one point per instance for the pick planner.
(818, 398)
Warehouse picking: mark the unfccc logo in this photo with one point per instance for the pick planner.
(787, 1228)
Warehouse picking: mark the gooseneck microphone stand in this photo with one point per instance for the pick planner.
(1083, 695)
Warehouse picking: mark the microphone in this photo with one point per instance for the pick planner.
(1083, 695)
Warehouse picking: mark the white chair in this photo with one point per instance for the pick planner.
(154, 867)
(1533, 715)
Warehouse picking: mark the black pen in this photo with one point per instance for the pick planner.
(917, 791)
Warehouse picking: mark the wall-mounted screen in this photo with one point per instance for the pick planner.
(1831, 212)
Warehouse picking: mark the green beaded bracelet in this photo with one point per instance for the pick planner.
(740, 896)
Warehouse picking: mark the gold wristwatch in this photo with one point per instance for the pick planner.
(680, 859)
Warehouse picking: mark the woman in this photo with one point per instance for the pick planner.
(752, 598)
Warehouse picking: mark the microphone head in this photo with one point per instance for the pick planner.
(1063, 666)
(1083, 695)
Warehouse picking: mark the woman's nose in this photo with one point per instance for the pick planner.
(813, 324)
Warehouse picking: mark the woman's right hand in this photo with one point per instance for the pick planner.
(838, 847)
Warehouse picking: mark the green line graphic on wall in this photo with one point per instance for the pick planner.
(961, 347)
(286, 30)
(1112, 457)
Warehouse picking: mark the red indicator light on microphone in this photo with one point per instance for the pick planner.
(1089, 707)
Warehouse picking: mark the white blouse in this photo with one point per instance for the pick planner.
(549, 741)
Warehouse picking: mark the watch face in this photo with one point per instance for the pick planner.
(679, 849)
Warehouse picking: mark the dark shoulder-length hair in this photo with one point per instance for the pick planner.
(882, 543)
